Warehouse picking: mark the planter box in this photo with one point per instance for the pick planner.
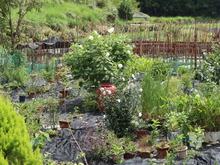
(64, 124)
(194, 142)
(212, 136)
(172, 134)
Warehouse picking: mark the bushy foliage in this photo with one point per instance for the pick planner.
(120, 108)
(99, 58)
(209, 69)
(125, 11)
(14, 140)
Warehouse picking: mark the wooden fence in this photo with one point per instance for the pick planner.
(176, 51)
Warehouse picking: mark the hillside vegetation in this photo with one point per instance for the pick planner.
(74, 19)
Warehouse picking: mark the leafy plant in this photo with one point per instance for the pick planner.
(99, 57)
(120, 109)
(209, 69)
(38, 140)
(48, 75)
(51, 131)
(153, 94)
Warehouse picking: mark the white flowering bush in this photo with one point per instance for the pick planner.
(99, 58)
(121, 107)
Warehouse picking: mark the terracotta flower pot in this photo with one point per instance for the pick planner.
(162, 152)
(141, 133)
(115, 158)
(41, 108)
(129, 155)
(64, 93)
(52, 135)
(31, 95)
(64, 124)
(61, 102)
(145, 152)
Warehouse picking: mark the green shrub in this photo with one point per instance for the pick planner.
(125, 11)
(14, 140)
(209, 69)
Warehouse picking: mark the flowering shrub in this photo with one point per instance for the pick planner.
(99, 58)
(121, 108)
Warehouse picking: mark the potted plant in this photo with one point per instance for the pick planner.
(141, 126)
(162, 148)
(129, 147)
(52, 133)
(115, 147)
(176, 122)
(196, 137)
(48, 75)
(178, 146)
(145, 146)
(22, 97)
(65, 123)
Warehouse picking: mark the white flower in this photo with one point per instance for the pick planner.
(81, 46)
(139, 114)
(95, 32)
(104, 93)
(109, 92)
(104, 116)
(123, 79)
(91, 37)
(120, 65)
(118, 100)
(140, 90)
(111, 30)
(101, 89)
(128, 52)
(107, 54)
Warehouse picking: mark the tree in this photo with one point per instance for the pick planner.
(125, 11)
(180, 7)
(15, 146)
(10, 25)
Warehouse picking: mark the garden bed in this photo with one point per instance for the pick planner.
(64, 149)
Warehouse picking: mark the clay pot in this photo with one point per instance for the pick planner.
(162, 152)
(61, 102)
(182, 153)
(64, 124)
(31, 95)
(129, 155)
(64, 93)
(141, 133)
